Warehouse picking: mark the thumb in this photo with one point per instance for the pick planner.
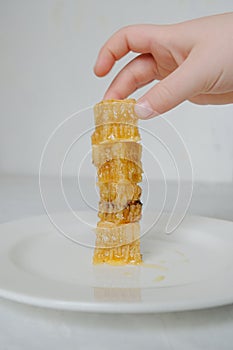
(183, 83)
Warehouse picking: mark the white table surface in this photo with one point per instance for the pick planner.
(26, 327)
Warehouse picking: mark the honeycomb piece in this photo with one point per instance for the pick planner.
(117, 157)
(117, 244)
(115, 111)
(125, 254)
(117, 214)
(119, 193)
(109, 234)
(119, 170)
(108, 151)
(114, 132)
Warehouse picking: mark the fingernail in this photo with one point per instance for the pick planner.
(144, 110)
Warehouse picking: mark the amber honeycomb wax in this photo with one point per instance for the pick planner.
(119, 193)
(116, 154)
(115, 132)
(131, 212)
(116, 150)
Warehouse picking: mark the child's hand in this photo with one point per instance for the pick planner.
(193, 61)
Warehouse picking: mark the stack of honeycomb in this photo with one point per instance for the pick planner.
(117, 155)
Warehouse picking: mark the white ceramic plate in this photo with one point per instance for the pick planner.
(189, 269)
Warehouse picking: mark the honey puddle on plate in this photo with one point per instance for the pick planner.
(158, 278)
(155, 266)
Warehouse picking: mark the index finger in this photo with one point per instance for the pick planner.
(136, 38)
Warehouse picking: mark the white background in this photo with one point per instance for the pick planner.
(48, 49)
